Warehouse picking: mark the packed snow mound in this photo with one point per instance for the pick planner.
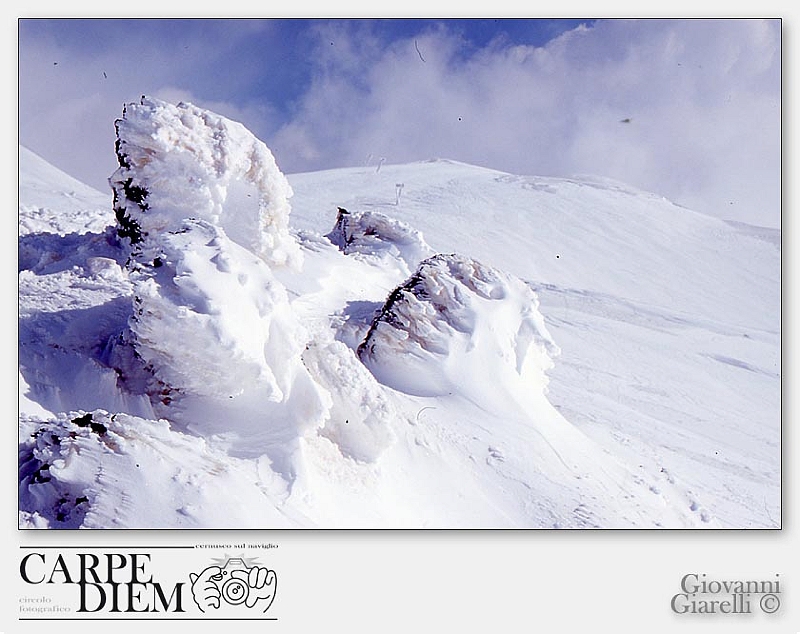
(375, 234)
(360, 417)
(206, 303)
(453, 322)
(180, 161)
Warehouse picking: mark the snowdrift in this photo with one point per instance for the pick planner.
(196, 352)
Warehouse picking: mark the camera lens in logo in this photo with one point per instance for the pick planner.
(234, 591)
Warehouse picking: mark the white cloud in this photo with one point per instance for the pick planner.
(702, 97)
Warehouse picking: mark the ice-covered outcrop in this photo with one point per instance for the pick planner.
(204, 211)
(373, 233)
(96, 469)
(178, 162)
(455, 325)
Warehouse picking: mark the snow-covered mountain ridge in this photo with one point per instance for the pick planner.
(467, 349)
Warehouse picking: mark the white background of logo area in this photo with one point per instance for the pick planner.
(458, 581)
(448, 581)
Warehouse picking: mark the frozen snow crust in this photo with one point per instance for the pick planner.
(188, 358)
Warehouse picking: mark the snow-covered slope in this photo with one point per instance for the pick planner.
(52, 202)
(668, 321)
(421, 345)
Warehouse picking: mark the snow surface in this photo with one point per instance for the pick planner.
(219, 346)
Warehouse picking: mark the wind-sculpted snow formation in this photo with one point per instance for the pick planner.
(454, 322)
(373, 233)
(188, 358)
(204, 210)
(178, 162)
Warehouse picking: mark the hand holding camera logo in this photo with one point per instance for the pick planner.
(236, 584)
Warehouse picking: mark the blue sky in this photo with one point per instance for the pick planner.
(701, 98)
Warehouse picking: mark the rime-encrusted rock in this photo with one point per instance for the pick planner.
(454, 322)
(180, 161)
(373, 233)
(204, 211)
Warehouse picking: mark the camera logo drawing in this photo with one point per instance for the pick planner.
(234, 584)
